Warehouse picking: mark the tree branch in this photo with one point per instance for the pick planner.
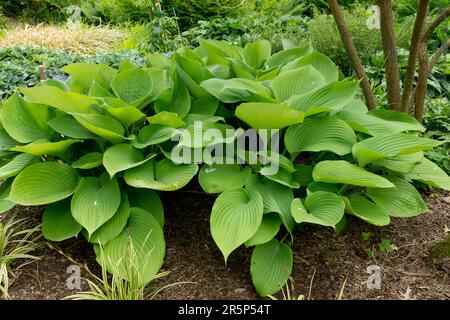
(390, 52)
(413, 52)
(354, 57)
(433, 26)
(438, 54)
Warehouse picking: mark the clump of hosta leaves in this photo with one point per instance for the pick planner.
(96, 148)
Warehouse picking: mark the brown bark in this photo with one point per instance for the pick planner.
(421, 89)
(413, 52)
(438, 54)
(425, 66)
(354, 57)
(390, 53)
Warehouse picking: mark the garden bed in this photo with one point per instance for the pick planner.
(336, 261)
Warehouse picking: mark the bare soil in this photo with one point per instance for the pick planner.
(324, 263)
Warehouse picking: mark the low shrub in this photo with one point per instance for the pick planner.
(283, 139)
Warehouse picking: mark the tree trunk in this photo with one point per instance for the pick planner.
(351, 50)
(421, 89)
(390, 53)
(413, 52)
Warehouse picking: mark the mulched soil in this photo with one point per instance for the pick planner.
(324, 263)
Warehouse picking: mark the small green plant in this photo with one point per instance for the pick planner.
(17, 243)
(367, 235)
(385, 246)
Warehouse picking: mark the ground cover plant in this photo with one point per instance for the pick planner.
(97, 147)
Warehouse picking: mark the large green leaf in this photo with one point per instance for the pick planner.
(269, 227)
(401, 201)
(149, 201)
(285, 56)
(176, 100)
(235, 218)
(260, 115)
(132, 86)
(69, 102)
(320, 62)
(276, 197)
(103, 126)
(122, 157)
(403, 163)
(163, 175)
(297, 82)
(58, 223)
(43, 147)
(151, 135)
(43, 183)
(236, 90)
(320, 207)
(126, 114)
(89, 161)
(428, 172)
(114, 226)
(401, 119)
(332, 97)
(366, 210)
(340, 171)
(95, 201)
(218, 178)
(140, 247)
(271, 267)
(167, 118)
(86, 73)
(25, 122)
(391, 145)
(320, 134)
(67, 126)
(370, 124)
(16, 165)
(256, 53)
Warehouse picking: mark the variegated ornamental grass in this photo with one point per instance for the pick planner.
(96, 149)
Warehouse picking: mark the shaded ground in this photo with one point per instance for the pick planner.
(332, 259)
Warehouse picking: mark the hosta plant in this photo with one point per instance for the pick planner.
(282, 139)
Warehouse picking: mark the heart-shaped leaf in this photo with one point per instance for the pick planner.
(235, 218)
(271, 267)
(95, 201)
